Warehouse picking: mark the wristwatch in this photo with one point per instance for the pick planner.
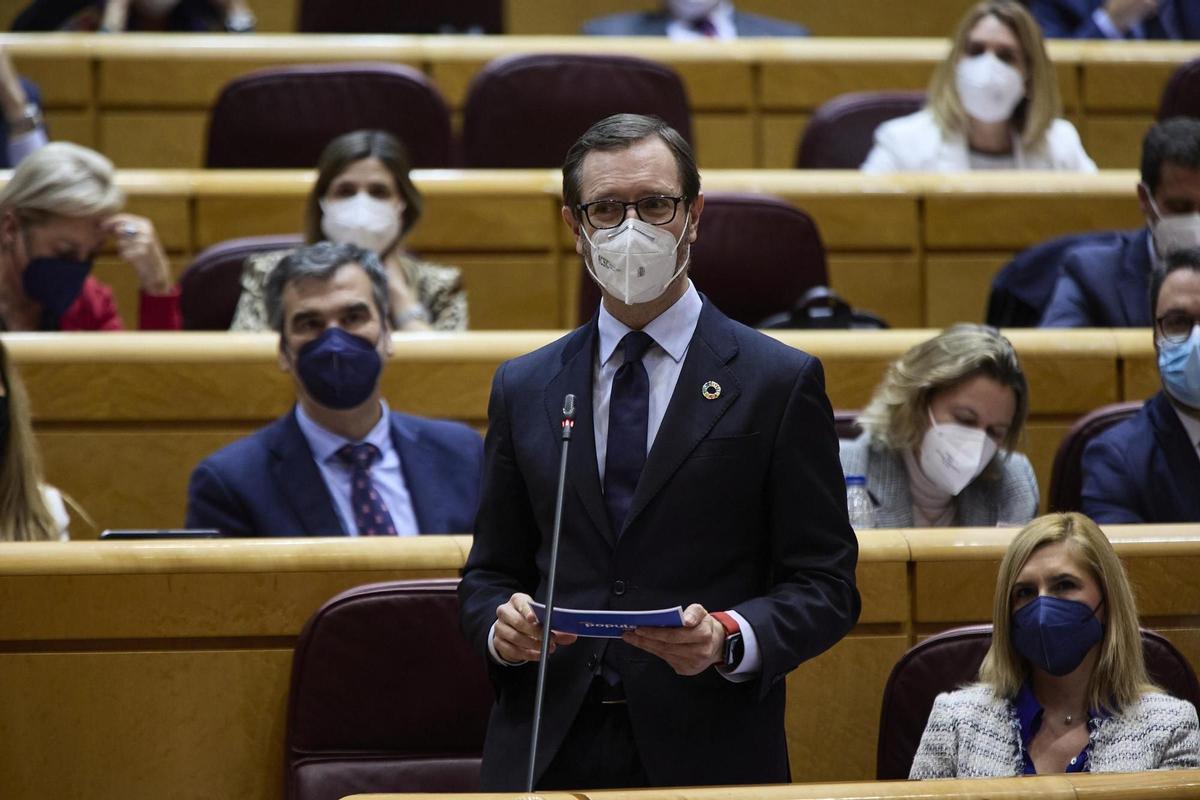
(30, 119)
(735, 648)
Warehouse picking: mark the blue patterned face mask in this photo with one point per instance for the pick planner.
(1056, 634)
(1179, 366)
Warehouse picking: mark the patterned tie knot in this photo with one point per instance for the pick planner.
(359, 455)
(635, 344)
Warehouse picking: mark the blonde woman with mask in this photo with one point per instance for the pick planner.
(30, 510)
(992, 104)
(939, 435)
(1063, 687)
(365, 197)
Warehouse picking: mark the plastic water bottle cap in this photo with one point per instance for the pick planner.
(856, 480)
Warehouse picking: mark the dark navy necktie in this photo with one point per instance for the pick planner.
(705, 27)
(370, 513)
(628, 420)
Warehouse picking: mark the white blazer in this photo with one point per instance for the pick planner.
(916, 144)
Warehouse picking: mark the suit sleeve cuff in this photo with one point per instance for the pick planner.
(1104, 22)
(492, 650)
(751, 656)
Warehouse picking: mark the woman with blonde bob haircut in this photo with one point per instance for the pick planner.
(1063, 687)
(30, 510)
(940, 434)
(993, 104)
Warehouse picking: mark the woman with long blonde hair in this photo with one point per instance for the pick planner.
(30, 510)
(1063, 687)
(993, 103)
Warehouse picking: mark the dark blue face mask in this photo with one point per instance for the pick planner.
(1056, 634)
(339, 370)
(55, 283)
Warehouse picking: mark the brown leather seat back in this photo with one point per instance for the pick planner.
(211, 285)
(1181, 97)
(1066, 477)
(842, 130)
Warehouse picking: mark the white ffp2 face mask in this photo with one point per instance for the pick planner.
(953, 455)
(361, 220)
(988, 88)
(635, 262)
(1173, 232)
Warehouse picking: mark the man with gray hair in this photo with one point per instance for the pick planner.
(340, 463)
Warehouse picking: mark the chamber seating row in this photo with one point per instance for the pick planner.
(919, 250)
(122, 418)
(162, 668)
(144, 99)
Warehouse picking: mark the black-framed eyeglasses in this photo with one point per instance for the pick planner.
(656, 210)
(1176, 326)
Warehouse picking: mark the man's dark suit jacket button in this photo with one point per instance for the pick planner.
(618, 588)
(592, 662)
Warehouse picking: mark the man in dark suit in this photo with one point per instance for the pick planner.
(1104, 285)
(692, 19)
(703, 473)
(339, 463)
(1118, 19)
(1147, 468)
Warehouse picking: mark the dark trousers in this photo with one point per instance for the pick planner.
(598, 752)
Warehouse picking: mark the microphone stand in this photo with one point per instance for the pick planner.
(568, 424)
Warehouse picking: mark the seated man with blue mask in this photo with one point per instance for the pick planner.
(1118, 19)
(1147, 469)
(340, 463)
(1104, 285)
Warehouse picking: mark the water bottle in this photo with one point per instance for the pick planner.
(858, 503)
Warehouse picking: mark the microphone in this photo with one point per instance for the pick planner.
(568, 424)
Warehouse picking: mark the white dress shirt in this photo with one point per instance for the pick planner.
(386, 473)
(721, 17)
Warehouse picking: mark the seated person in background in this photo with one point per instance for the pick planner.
(57, 210)
(692, 19)
(1063, 687)
(993, 104)
(22, 131)
(1147, 469)
(1104, 286)
(939, 434)
(30, 510)
(340, 463)
(116, 16)
(1118, 19)
(364, 196)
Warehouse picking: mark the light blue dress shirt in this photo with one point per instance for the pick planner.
(386, 473)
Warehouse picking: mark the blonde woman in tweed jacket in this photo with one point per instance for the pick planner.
(940, 435)
(1064, 686)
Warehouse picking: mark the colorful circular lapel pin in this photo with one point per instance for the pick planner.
(711, 390)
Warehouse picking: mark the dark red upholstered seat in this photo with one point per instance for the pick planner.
(841, 131)
(1066, 477)
(527, 110)
(409, 16)
(210, 286)
(950, 660)
(754, 257)
(386, 696)
(282, 117)
(1181, 97)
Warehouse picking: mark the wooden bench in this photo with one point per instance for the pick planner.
(144, 98)
(139, 670)
(123, 418)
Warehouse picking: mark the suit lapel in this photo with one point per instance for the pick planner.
(1135, 278)
(1180, 455)
(300, 483)
(424, 490)
(690, 416)
(575, 378)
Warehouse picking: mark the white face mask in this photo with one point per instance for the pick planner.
(361, 220)
(635, 262)
(988, 88)
(953, 455)
(691, 10)
(1173, 232)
